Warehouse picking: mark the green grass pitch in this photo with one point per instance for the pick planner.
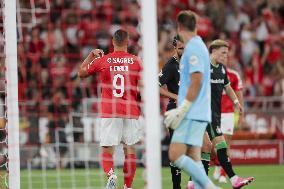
(266, 177)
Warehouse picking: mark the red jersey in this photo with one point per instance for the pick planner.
(236, 84)
(119, 75)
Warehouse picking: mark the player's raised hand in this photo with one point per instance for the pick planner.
(175, 116)
(97, 52)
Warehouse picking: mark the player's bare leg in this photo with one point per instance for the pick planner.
(129, 168)
(188, 158)
(228, 139)
(221, 147)
(205, 156)
(108, 166)
(205, 152)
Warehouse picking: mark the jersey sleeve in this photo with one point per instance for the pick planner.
(195, 63)
(94, 66)
(234, 83)
(165, 75)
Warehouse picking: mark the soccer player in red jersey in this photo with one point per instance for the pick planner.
(228, 115)
(119, 74)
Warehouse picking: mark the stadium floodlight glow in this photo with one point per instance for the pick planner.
(151, 93)
(10, 33)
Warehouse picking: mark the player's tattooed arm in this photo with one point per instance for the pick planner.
(232, 95)
(166, 93)
(96, 53)
(241, 120)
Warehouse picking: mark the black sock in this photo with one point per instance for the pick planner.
(206, 166)
(176, 177)
(205, 158)
(225, 162)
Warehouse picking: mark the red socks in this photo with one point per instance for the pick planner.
(129, 169)
(222, 172)
(107, 163)
(215, 160)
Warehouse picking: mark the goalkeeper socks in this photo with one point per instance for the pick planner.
(223, 158)
(194, 170)
(107, 163)
(176, 176)
(129, 169)
(205, 158)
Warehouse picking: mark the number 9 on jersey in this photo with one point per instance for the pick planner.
(118, 90)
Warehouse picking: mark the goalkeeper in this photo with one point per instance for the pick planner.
(193, 113)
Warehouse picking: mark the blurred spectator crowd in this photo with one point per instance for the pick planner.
(255, 30)
(50, 51)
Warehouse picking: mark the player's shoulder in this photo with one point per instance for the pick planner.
(234, 75)
(134, 57)
(233, 72)
(171, 63)
(196, 47)
(196, 42)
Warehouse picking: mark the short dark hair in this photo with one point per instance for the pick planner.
(187, 19)
(218, 43)
(120, 37)
(176, 39)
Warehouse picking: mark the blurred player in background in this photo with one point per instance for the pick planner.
(120, 77)
(228, 116)
(169, 76)
(193, 114)
(219, 81)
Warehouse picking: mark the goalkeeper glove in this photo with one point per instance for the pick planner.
(175, 116)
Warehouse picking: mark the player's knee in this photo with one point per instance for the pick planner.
(173, 154)
(221, 145)
(206, 147)
(218, 139)
(107, 149)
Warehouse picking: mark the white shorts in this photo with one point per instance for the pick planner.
(114, 131)
(227, 123)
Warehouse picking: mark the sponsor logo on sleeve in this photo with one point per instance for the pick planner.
(193, 60)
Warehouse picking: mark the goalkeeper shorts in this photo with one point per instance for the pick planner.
(190, 132)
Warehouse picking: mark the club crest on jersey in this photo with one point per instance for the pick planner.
(193, 60)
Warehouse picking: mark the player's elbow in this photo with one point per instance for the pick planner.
(82, 73)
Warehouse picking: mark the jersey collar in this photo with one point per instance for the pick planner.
(215, 65)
